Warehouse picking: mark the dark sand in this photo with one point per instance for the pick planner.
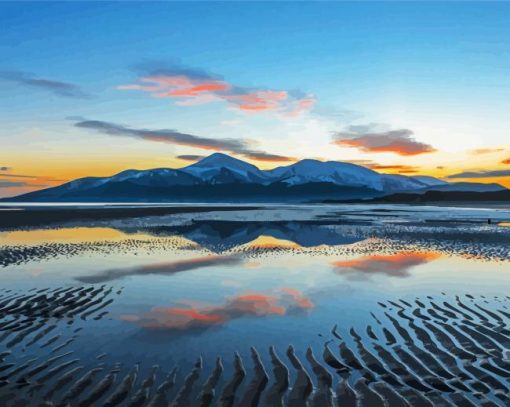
(16, 216)
(407, 359)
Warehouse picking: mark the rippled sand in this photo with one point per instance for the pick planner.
(368, 307)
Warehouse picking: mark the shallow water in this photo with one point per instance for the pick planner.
(213, 283)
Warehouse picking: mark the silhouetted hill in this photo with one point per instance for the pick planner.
(221, 178)
(438, 196)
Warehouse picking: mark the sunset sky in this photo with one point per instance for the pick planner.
(91, 89)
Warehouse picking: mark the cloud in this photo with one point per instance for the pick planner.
(479, 151)
(506, 161)
(16, 184)
(58, 88)
(235, 146)
(5, 168)
(480, 174)
(394, 265)
(33, 177)
(11, 184)
(163, 136)
(401, 169)
(365, 163)
(262, 156)
(16, 176)
(191, 86)
(286, 301)
(160, 268)
(364, 138)
(190, 157)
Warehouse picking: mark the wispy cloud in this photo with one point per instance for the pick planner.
(235, 146)
(9, 180)
(163, 136)
(190, 157)
(400, 168)
(191, 86)
(58, 88)
(481, 174)
(17, 176)
(11, 184)
(283, 302)
(5, 174)
(17, 184)
(262, 156)
(478, 151)
(366, 139)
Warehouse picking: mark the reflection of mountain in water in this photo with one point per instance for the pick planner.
(222, 235)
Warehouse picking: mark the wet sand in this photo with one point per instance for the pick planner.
(24, 216)
(457, 355)
(431, 350)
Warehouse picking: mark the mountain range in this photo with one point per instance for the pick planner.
(222, 178)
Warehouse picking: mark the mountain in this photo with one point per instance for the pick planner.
(429, 181)
(307, 171)
(466, 186)
(444, 196)
(220, 168)
(221, 178)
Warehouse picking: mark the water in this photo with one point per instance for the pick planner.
(213, 283)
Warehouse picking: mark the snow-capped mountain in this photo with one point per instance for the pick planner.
(222, 178)
(220, 168)
(334, 172)
(428, 180)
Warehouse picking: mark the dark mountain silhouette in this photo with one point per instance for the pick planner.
(442, 196)
(221, 178)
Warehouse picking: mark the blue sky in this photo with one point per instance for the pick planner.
(439, 71)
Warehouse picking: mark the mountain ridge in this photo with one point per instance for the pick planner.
(221, 178)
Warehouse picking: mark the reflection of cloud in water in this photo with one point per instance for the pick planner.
(286, 301)
(161, 268)
(394, 265)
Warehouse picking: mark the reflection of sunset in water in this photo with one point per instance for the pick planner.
(285, 301)
(271, 242)
(396, 265)
(506, 224)
(66, 235)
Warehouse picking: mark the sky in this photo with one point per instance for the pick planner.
(92, 89)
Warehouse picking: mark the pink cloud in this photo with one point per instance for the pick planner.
(300, 106)
(259, 100)
(201, 316)
(190, 88)
(399, 142)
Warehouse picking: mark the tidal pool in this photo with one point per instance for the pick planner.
(209, 284)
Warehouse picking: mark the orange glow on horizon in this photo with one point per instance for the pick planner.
(57, 170)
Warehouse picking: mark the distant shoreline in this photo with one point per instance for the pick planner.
(15, 215)
(19, 215)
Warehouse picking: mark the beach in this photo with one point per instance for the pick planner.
(246, 305)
